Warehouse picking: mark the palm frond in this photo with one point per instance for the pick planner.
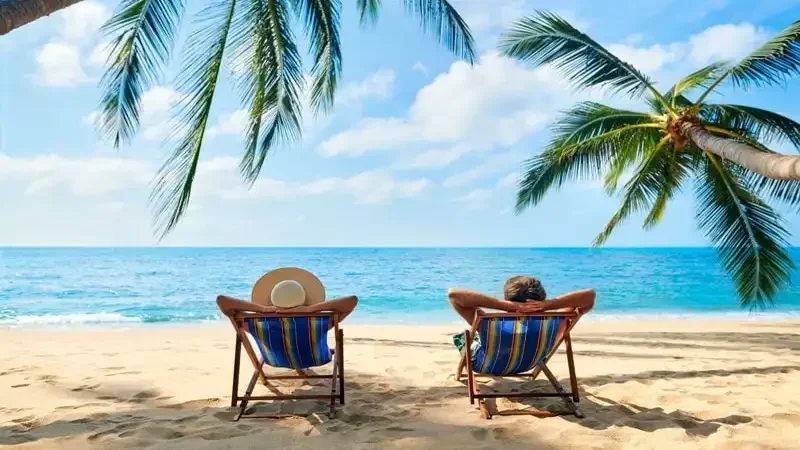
(701, 78)
(322, 22)
(680, 166)
(272, 83)
(441, 19)
(774, 62)
(197, 81)
(759, 124)
(749, 236)
(587, 159)
(657, 106)
(657, 177)
(144, 32)
(368, 10)
(590, 119)
(546, 38)
(625, 159)
(786, 192)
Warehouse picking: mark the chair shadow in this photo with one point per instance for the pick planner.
(602, 413)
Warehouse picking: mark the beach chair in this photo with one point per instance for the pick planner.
(519, 345)
(291, 341)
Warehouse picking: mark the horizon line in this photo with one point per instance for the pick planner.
(357, 247)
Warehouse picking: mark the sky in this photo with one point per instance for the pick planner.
(421, 149)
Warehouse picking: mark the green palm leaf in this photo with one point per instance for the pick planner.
(701, 78)
(368, 10)
(589, 159)
(546, 38)
(656, 179)
(773, 63)
(782, 191)
(144, 33)
(758, 124)
(321, 19)
(283, 68)
(197, 81)
(678, 168)
(443, 21)
(750, 237)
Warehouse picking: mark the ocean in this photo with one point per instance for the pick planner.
(112, 286)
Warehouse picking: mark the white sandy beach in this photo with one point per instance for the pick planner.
(653, 384)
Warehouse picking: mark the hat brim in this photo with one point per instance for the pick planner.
(262, 290)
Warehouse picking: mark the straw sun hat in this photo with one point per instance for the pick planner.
(288, 287)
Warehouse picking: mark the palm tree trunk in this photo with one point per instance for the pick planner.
(770, 165)
(16, 13)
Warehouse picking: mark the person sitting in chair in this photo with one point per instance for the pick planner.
(291, 290)
(522, 294)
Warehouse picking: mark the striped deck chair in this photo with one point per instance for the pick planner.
(290, 341)
(519, 345)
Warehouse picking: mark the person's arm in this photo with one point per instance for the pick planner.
(582, 300)
(466, 303)
(343, 307)
(230, 306)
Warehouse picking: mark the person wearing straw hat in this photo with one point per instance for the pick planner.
(288, 289)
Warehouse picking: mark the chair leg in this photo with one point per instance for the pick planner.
(560, 389)
(536, 371)
(573, 380)
(334, 382)
(340, 359)
(237, 353)
(246, 398)
(471, 385)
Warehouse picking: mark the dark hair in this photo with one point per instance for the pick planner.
(522, 288)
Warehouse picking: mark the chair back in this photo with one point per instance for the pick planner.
(512, 344)
(293, 342)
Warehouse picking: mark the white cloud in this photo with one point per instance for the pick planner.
(94, 176)
(419, 67)
(59, 64)
(379, 85)
(476, 198)
(434, 159)
(157, 102)
(490, 166)
(494, 103)
(725, 42)
(81, 22)
(61, 61)
(85, 176)
(91, 118)
(509, 180)
(99, 54)
(370, 187)
(232, 123)
(648, 59)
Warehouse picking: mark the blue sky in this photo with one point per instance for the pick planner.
(420, 149)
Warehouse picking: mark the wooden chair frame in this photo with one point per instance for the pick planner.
(337, 377)
(569, 398)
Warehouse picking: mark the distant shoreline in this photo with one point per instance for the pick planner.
(75, 324)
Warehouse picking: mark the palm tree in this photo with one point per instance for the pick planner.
(256, 36)
(16, 13)
(722, 148)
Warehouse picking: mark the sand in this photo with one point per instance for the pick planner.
(658, 384)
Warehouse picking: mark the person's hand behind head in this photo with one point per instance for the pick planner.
(531, 307)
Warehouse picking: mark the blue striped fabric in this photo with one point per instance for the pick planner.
(291, 342)
(512, 345)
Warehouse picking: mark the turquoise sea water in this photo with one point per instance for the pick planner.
(70, 286)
